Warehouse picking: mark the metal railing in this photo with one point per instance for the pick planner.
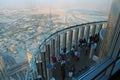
(67, 29)
(61, 32)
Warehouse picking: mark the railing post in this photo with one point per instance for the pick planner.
(52, 47)
(44, 64)
(97, 27)
(81, 33)
(47, 55)
(70, 35)
(76, 37)
(39, 67)
(57, 46)
(86, 34)
(93, 27)
(64, 40)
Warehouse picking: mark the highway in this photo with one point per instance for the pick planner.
(15, 70)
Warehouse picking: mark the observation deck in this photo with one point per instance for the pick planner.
(74, 49)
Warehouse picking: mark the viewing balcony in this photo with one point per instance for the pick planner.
(74, 49)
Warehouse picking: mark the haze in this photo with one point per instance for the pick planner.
(66, 4)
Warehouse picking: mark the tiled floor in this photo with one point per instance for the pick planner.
(81, 65)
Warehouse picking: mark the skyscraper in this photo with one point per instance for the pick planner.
(108, 55)
(3, 72)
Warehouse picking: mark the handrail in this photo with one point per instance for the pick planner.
(71, 27)
(98, 68)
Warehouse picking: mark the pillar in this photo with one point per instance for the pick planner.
(93, 27)
(52, 47)
(76, 37)
(57, 46)
(87, 29)
(70, 35)
(98, 28)
(44, 64)
(81, 33)
(63, 40)
(39, 67)
(47, 56)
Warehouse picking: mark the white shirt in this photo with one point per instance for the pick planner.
(70, 74)
(94, 45)
(77, 53)
(63, 62)
(61, 51)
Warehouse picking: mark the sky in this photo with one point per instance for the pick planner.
(101, 4)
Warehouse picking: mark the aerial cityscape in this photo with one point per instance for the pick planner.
(22, 30)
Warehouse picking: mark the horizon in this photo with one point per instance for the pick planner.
(61, 4)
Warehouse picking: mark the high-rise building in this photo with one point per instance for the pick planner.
(101, 62)
(3, 72)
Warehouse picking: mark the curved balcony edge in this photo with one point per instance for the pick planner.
(65, 38)
(69, 28)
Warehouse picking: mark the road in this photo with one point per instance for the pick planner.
(15, 70)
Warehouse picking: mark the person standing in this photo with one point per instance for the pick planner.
(86, 49)
(54, 59)
(63, 71)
